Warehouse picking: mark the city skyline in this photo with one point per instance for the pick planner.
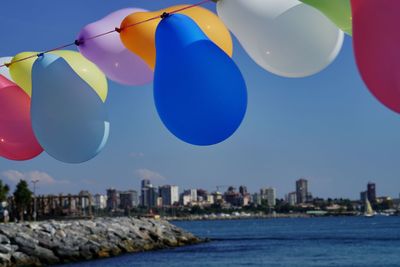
(300, 193)
(327, 127)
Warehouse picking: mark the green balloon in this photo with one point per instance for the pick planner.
(339, 11)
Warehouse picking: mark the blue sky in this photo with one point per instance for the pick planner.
(327, 128)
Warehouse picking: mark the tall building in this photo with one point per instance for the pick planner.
(189, 196)
(100, 201)
(112, 199)
(145, 183)
(149, 194)
(256, 199)
(128, 199)
(292, 198)
(371, 191)
(268, 194)
(301, 191)
(193, 195)
(243, 190)
(169, 194)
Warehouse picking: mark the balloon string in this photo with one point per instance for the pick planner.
(79, 42)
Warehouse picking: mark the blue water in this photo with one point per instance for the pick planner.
(336, 241)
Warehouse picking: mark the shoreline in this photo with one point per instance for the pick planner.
(233, 217)
(269, 216)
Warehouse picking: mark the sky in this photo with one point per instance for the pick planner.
(327, 128)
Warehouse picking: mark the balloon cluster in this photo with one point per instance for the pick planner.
(54, 100)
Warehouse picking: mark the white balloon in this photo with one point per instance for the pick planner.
(4, 70)
(285, 37)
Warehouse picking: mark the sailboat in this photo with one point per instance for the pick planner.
(369, 212)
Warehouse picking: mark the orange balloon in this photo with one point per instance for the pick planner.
(140, 39)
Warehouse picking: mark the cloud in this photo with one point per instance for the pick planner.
(43, 177)
(148, 174)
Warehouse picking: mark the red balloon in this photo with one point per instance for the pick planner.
(17, 140)
(376, 40)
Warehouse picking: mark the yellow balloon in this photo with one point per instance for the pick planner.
(140, 39)
(21, 71)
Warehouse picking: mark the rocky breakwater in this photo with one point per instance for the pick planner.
(54, 242)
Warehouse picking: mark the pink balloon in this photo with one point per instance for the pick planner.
(110, 55)
(17, 140)
(376, 40)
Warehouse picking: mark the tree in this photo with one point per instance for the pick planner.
(22, 198)
(4, 189)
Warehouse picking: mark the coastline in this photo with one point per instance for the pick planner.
(57, 242)
(223, 216)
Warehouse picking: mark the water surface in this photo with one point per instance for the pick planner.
(303, 242)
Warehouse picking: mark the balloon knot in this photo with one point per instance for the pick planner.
(165, 15)
(78, 42)
(118, 29)
(40, 54)
(7, 64)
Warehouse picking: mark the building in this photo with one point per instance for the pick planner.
(202, 195)
(309, 197)
(256, 199)
(371, 192)
(292, 198)
(128, 199)
(145, 183)
(100, 201)
(149, 194)
(210, 199)
(217, 198)
(169, 194)
(85, 199)
(112, 199)
(186, 200)
(243, 190)
(363, 196)
(232, 197)
(160, 203)
(149, 197)
(301, 191)
(193, 195)
(268, 194)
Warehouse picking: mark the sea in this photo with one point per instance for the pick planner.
(283, 242)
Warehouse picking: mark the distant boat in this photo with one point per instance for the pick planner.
(369, 212)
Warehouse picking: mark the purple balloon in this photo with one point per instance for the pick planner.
(110, 55)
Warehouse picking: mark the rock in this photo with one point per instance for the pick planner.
(69, 253)
(8, 231)
(21, 259)
(60, 234)
(26, 243)
(55, 242)
(45, 255)
(5, 248)
(4, 239)
(47, 227)
(5, 259)
(86, 251)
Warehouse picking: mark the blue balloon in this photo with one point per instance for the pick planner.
(68, 117)
(199, 92)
